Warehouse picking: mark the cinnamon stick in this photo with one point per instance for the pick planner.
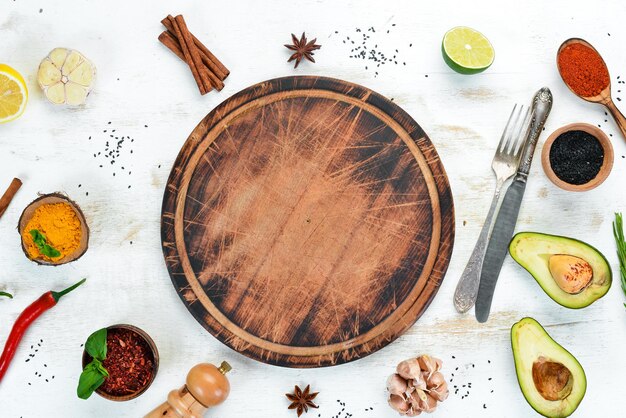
(193, 50)
(170, 41)
(208, 58)
(187, 54)
(7, 197)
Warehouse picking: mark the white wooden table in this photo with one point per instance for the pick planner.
(141, 83)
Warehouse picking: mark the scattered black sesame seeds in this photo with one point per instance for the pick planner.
(464, 387)
(115, 149)
(344, 411)
(31, 356)
(364, 46)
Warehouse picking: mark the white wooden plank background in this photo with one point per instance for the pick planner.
(141, 83)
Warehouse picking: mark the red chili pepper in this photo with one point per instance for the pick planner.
(27, 317)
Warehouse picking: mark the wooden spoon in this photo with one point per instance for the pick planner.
(604, 98)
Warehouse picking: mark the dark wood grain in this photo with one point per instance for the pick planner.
(307, 222)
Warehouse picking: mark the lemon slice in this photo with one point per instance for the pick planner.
(13, 94)
(66, 76)
(466, 50)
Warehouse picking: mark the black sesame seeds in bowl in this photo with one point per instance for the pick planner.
(577, 157)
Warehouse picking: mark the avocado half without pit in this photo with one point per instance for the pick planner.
(571, 272)
(551, 379)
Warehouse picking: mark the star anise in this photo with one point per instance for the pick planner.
(303, 49)
(301, 401)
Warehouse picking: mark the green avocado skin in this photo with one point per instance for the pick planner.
(523, 375)
(545, 280)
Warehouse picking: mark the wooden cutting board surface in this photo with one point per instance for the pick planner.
(307, 222)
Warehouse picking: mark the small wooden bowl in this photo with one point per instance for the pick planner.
(28, 213)
(607, 164)
(155, 368)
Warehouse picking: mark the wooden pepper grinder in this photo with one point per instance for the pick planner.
(206, 386)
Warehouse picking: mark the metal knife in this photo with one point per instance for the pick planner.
(509, 210)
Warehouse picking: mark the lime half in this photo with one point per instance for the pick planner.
(466, 50)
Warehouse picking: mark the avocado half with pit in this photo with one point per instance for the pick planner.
(551, 379)
(571, 272)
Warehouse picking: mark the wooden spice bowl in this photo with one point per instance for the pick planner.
(607, 164)
(52, 198)
(155, 366)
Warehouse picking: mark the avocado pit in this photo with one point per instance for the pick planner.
(553, 381)
(571, 274)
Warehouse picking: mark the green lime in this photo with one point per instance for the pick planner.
(466, 50)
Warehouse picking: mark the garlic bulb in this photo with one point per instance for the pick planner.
(66, 76)
(417, 386)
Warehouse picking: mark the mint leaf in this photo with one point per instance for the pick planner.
(8, 295)
(42, 244)
(96, 345)
(91, 378)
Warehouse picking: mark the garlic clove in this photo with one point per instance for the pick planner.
(420, 382)
(399, 404)
(409, 369)
(56, 93)
(72, 61)
(75, 94)
(417, 398)
(83, 74)
(48, 74)
(438, 363)
(396, 385)
(57, 56)
(435, 380)
(413, 412)
(440, 392)
(428, 404)
(428, 363)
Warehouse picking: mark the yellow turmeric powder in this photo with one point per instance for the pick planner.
(60, 225)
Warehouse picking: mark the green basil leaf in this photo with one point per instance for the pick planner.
(38, 237)
(49, 251)
(90, 379)
(41, 243)
(96, 345)
(102, 370)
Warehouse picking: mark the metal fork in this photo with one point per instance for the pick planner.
(504, 165)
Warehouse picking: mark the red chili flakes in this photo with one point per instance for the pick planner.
(129, 362)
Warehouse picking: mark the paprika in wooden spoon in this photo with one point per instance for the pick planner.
(27, 317)
(585, 73)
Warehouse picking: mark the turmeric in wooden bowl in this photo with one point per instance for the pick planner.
(53, 230)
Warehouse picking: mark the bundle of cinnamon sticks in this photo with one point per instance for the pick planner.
(207, 70)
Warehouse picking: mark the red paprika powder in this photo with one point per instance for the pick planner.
(583, 70)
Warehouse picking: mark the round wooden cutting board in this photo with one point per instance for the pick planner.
(307, 222)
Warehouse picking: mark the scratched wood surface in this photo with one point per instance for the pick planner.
(139, 82)
(307, 222)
